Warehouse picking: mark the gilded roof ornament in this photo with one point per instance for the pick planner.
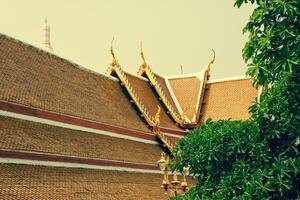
(157, 116)
(212, 61)
(183, 114)
(144, 70)
(144, 65)
(114, 61)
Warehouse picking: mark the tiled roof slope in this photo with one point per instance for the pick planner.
(24, 135)
(38, 79)
(161, 81)
(228, 99)
(187, 91)
(148, 97)
(29, 182)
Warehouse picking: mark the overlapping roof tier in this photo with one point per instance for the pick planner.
(182, 95)
(161, 81)
(159, 86)
(196, 98)
(56, 113)
(188, 91)
(151, 101)
(146, 100)
(37, 79)
(40, 182)
(24, 135)
(229, 98)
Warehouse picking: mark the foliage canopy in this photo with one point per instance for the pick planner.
(257, 158)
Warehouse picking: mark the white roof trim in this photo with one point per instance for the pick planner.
(199, 94)
(228, 79)
(198, 75)
(173, 96)
(74, 165)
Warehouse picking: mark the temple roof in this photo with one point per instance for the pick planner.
(188, 90)
(228, 99)
(151, 101)
(35, 78)
(55, 112)
(196, 98)
(59, 183)
(24, 135)
(165, 88)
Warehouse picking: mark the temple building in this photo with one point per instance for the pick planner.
(70, 133)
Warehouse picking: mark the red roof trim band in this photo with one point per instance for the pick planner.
(173, 131)
(73, 120)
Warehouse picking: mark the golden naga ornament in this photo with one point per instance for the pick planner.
(114, 61)
(145, 70)
(212, 61)
(157, 116)
(144, 65)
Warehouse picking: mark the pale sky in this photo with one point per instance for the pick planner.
(174, 32)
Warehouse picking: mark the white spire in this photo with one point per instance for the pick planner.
(45, 40)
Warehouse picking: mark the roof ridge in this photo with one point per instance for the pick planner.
(201, 94)
(32, 47)
(179, 76)
(202, 77)
(124, 80)
(152, 121)
(178, 118)
(178, 106)
(234, 78)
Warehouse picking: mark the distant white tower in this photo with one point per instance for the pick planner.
(45, 40)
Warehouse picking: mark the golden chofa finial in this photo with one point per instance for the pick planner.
(144, 65)
(157, 116)
(114, 61)
(212, 61)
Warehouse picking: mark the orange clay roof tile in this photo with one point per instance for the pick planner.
(22, 135)
(187, 91)
(228, 99)
(40, 182)
(150, 100)
(162, 82)
(32, 77)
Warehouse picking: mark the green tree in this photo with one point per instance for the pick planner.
(257, 158)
